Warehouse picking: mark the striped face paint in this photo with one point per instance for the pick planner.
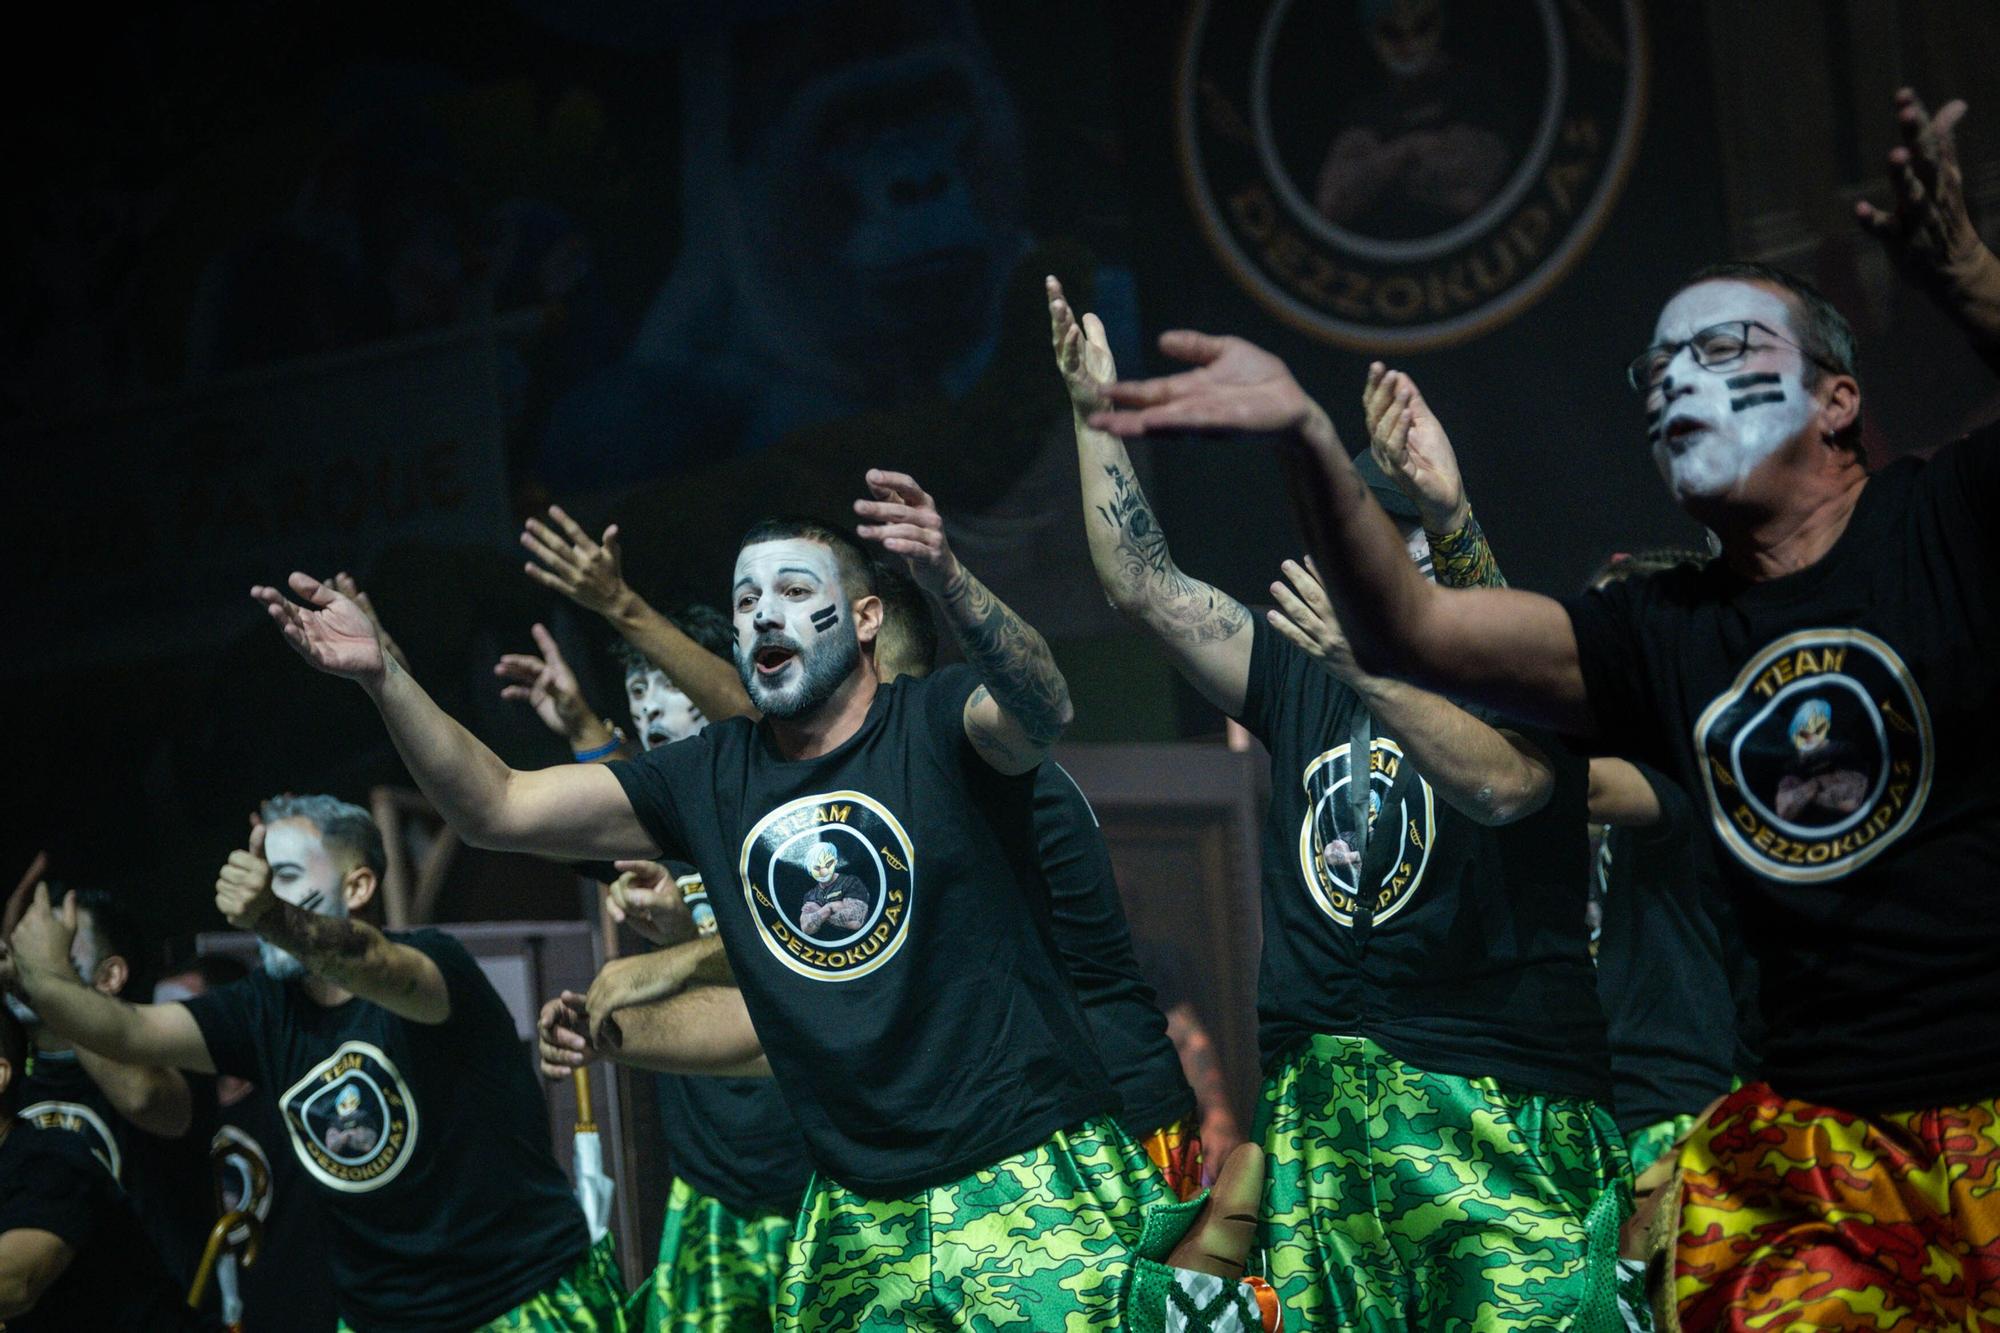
(1709, 430)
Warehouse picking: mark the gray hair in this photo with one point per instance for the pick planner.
(341, 825)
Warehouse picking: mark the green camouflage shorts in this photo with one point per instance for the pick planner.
(1647, 1146)
(719, 1270)
(1063, 1238)
(583, 1300)
(1396, 1198)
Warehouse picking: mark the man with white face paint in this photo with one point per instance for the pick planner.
(403, 1090)
(1393, 1029)
(1851, 1187)
(930, 1073)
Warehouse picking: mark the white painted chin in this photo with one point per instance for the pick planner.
(1712, 466)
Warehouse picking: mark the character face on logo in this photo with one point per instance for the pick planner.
(1329, 857)
(1818, 756)
(1710, 429)
(829, 879)
(795, 639)
(1405, 33)
(352, 1120)
(661, 714)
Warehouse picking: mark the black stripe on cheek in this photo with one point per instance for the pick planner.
(1653, 425)
(1735, 382)
(1756, 399)
(824, 618)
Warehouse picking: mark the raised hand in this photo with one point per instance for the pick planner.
(1305, 616)
(1927, 229)
(906, 522)
(243, 885)
(1235, 386)
(43, 936)
(1082, 353)
(645, 897)
(17, 901)
(563, 1035)
(331, 631)
(1412, 448)
(345, 585)
(588, 572)
(546, 684)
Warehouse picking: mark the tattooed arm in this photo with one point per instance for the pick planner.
(1206, 632)
(350, 954)
(1022, 704)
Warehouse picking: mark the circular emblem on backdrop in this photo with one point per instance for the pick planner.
(242, 1176)
(1395, 175)
(1818, 756)
(1400, 806)
(77, 1118)
(352, 1120)
(829, 879)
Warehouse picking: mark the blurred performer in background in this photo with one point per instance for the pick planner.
(1851, 1187)
(289, 1286)
(739, 1163)
(403, 1091)
(149, 1127)
(1427, 995)
(869, 1035)
(72, 1254)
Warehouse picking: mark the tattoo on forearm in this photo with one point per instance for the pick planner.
(1186, 610)
(1011, 657)
(1463, 559)
(325, 944)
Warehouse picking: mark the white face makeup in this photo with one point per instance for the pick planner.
(661, 714)
(794, 634)
(1709, 430)
(304, 875)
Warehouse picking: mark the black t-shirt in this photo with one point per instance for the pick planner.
(1096, 947)
(427, 1144)
(166, 1179)
(289, 1286)
(732, 1138)
(50, 1181)
(1472, 956)
(1670, 966)
(1839, 726)
(943, 1034)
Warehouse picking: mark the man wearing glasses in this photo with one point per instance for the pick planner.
(1848, 639)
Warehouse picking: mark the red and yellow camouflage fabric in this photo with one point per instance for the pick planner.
(1176, 1150)
(1798, 1216)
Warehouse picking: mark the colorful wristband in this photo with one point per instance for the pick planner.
(604, 751)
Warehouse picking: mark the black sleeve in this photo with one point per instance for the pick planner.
(1264, 693)
(231, 1018)
(1962, 481)
(944, 696)
(464, 979)
(649, 786)
(1610, 651)
(1676, 827)
(53, 1191)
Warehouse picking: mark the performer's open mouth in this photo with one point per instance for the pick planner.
(773, 658)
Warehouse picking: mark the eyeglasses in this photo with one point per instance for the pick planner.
(1717, 347)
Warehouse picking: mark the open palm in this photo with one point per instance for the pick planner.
(1235, 386)
(330, 631)
(1410, 445)
(1083, 354)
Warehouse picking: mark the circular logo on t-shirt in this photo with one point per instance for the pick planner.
(1404, 174)
(352, 1120)
(77, 1118)
(829, 879)
(1400, 806)
(1818, 756)
(242, 1177)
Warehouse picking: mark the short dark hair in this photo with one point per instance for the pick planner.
(704, 624)
(1824, 333)
(907, 643)
(14, 1050)
(347, 827)
(857, 567)
(119, 932)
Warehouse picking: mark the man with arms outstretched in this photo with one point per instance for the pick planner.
(936, 1072)
(1852, 1187)
(400, 1081)
(1437, 1154)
